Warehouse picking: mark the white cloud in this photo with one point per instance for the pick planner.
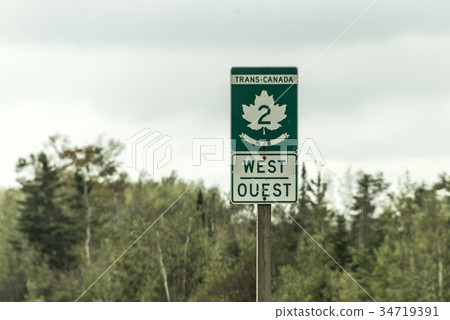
(378, 100)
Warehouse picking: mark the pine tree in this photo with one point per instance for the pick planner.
(320, 215)
(43, 217)
(341, 242)
(368, 189)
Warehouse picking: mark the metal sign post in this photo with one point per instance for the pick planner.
(264, 150)
(263, 257)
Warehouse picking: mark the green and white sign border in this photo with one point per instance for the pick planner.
(264, 71)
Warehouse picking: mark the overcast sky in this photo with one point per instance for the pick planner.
(378, 100)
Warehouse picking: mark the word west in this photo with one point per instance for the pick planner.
(269, 178)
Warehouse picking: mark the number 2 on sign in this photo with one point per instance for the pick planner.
(261, 118)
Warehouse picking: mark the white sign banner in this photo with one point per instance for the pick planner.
(264, 78)
(264, 178)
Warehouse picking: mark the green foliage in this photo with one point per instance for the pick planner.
(369, 187)
(305, 279)
(411, 263)
(340, 241)
(44, 219)
(15, 254)
(230, 273)
(75, 214)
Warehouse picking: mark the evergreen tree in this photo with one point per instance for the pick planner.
(320, 215)
(341, 241)
(369, 187)
(44, 219)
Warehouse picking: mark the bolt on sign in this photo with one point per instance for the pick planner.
(264, 109)
(268, 178)
(264, 134)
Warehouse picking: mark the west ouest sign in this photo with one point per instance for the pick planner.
(264, 105)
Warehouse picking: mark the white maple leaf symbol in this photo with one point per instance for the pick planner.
(264, 113)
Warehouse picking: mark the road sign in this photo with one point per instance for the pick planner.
(264, 109)
(264, 178)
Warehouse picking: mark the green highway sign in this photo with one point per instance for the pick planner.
(264, 109)
(264, 178)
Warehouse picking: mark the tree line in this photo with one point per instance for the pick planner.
(76, 212)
